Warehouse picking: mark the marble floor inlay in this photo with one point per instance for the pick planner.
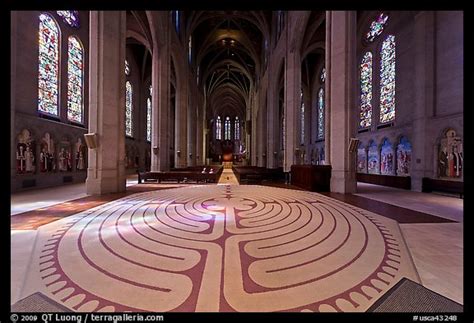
(219, 248)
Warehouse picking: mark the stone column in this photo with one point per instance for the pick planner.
(160, 104)
(13, 85)
(191, 133)
(424, 94)
(257, 137)
(292, 104)
(342, 76)
(199, 136)
(181, 124)
(272, 119)
(327, 92)
(106, 167)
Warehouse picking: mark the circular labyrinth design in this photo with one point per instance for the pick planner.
(223, 248)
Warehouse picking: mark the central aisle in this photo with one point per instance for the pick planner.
(228, 177)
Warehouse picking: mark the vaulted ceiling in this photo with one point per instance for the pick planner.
(228, 48)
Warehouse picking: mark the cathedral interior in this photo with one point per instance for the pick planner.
(236, 161)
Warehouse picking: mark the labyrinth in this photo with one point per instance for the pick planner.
(220, 248)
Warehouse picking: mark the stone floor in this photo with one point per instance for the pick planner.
(219, 248)
(436, 249)
(450, 207)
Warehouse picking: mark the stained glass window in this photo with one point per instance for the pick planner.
(75, 75)
(148, 119)
(190, 48)
(227, 128)
(321, 113)
(128, 108)
(387, 80)
(127, 68)
(148, 115)
(376, 27)
(71, 17)
(48, 74)
(176, 20)
(302, 117)
(219, 128)
(365, 116)
(237, 129)
(322, 76)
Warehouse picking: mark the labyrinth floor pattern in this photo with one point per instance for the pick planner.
(219, 248)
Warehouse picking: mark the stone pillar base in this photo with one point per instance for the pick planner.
(105, 185)
(343, 182)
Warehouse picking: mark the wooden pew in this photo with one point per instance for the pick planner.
(193, 174)
(430, 184)
(315, 178)
(403, 182)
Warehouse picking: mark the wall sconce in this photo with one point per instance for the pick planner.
(178, 152)
(275, 153)
(190, 155)
(155, 150)
(92, 140)
(264, 155)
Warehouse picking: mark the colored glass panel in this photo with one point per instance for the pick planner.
(322, 76)
(148, 119)
(127, 68)
(376, 27)
(71, 17)
(75, 71)
(48, 65)
(237, 129)
(227, 128)
(302, 117)
(321, 113)
(387, 80)
(128, 108)
(365, 116)
(219, 128)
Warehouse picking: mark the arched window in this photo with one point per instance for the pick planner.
(128, 109)
(365, 116)
(48, 65)
(376, 27)
(71, 17)
(387, 80)
(302, 116)
(148, 116)
(227, 128)
(322, 76)
(176, 20)
(190, 48)
(218, 128)
(321, 113)
(75, 82)
(237, 129)
(148, 119)
(127, 68)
